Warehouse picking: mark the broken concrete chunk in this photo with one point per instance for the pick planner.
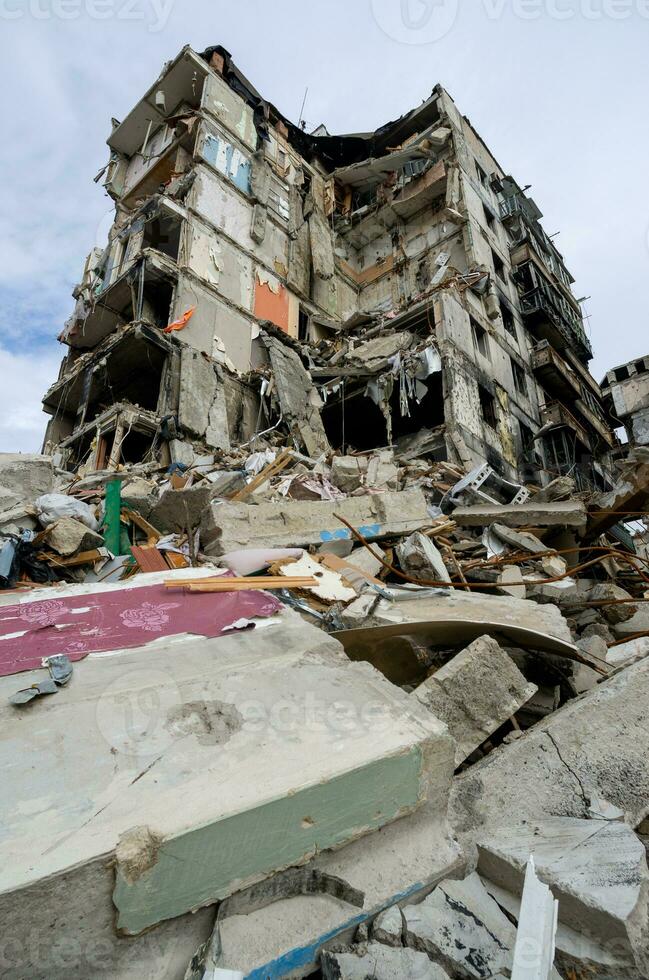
(511, 581)
(530, 514)
(348, 472)
(420, 558)
(518, 540)
(388, 927)
(139, 495)
(461, 927)
(628, 653)
(178, 510)
(596, 869)
(475, 693)
(374, 961)
(23, 478)
(67, 536)
(622, 610)
(382, 473)
(299, 400)
(576, 752)
(229, 527)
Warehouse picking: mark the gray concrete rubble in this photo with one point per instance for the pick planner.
(380, 963)
(531, 514)
(572, 754)
(67, 536)
(420, 558)
(462, 928)
(338, 536)
(576, 954)
(23, 478)
(475, 693)
(596, 869)
(227, 527)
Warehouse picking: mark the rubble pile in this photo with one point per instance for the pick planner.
(323, 615)
(498, 631)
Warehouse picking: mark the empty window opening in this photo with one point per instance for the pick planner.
(487, 407)
(527, 438)
(482, 176)
(303, 325)
(480, 338)
(509, 322)
(489, 217)
(520, 379)
(622, 373)
(499, 266)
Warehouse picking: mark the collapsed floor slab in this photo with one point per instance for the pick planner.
(400, 864)
(443, 618)
(164, 794)
(230, 527)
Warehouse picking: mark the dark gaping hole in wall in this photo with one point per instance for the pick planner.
(135, 446)
(163, 234)
(355, 422)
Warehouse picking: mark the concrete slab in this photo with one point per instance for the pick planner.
(299, 523)
(400, 864)
(475, 693)
(453, 618)
(273, 773)
(575, 953)
(596, 869)
(570, 513)
(555, 768)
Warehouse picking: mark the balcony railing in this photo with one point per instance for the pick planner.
(548, 302)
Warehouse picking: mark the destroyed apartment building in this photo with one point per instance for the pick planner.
(414, 293)
(323, 611)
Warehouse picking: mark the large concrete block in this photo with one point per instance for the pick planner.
(595, 745)
(23, 478)
(299, 523)
(185, 770)
(475, 693)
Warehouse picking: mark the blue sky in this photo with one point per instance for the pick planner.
(557, 88)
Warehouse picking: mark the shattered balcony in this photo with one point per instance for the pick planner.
(144, 291)
(555, 415)
(561, 382)
(548, 315)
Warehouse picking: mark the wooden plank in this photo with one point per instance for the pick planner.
(278, 464)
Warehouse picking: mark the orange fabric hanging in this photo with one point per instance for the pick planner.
(182, 323)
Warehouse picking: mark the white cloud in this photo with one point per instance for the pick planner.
(25, 379)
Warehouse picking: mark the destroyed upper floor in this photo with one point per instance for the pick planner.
(427, 169)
